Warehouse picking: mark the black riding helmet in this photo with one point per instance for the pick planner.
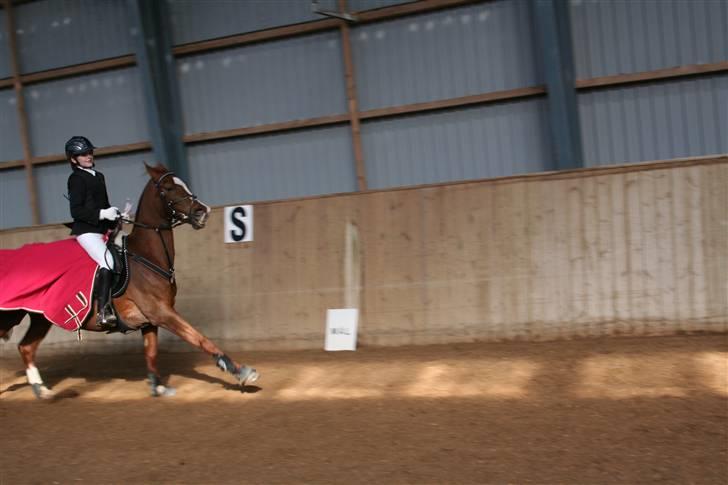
(78, 145)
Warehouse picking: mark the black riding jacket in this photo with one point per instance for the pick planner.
(87, 193)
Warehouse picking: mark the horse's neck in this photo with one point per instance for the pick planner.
(154, 245)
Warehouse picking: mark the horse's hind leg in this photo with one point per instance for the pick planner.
(8, 320)
(27, 347)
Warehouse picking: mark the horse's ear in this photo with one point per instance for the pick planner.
(156, 171)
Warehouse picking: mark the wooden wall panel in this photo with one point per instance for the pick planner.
(594, 252)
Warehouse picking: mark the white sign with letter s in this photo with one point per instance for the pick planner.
(239, 223)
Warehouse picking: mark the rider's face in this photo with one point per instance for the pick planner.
(86, 161)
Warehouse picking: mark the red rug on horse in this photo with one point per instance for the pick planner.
(55, 279)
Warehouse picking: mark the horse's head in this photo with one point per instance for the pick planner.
(180, 203)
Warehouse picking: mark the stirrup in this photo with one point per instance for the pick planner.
(106, 321)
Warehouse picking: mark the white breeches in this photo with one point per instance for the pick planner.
(96, 248)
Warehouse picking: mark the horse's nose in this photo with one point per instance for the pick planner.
(201, 216)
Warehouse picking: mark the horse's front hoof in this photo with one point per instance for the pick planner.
(42, 392)
(246, 375)
(163, 391)
(159, 389)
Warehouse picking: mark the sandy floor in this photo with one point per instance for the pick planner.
(631, 411)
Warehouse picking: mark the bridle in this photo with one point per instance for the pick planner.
(174, 218)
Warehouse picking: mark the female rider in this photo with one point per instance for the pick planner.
(92, 216)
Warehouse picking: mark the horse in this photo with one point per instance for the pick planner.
(148, 302)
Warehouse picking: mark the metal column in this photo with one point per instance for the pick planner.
(159, 78)
(553, 29)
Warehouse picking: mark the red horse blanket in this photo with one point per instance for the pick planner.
(55, 279)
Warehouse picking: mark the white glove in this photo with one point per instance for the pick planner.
(110, 214)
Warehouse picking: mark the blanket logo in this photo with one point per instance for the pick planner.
(75, 314)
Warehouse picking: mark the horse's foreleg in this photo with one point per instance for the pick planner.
(27, 347)
(169, 319)
(151, 350)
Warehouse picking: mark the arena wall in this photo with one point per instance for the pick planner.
(631, 250)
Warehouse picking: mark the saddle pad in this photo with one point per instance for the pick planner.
(55, 279)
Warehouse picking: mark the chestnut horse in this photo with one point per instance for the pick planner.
(148, 302)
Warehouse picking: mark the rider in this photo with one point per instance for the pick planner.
(92, 216)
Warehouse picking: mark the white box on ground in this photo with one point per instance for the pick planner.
(341, 327)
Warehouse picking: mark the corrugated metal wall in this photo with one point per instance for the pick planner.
(10, 146)
(294, 164)
(194, 20)
(446, 54)
(56, 33)
(619, 36)
(428, 57)
(263, 83)
(470, 143)
(359, 5)
(107, 107)
(5, 70)
(125, 176)
(14, 206)
(473, 49)
(655, 121)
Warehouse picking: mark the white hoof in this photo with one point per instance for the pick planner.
(164, 391)
(247, 375)
(42, 392)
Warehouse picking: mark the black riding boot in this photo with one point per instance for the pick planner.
(105, 317)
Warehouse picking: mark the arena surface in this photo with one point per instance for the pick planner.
(623, 410)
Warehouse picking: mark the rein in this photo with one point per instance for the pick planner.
(166, 274)
(175, 219)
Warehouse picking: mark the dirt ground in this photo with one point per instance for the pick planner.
(628, 410)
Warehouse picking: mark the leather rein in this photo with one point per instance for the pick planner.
(174, 219)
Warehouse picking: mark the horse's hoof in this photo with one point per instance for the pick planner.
(159, 389)
(163, 391)
(42, 392)
(246, 375)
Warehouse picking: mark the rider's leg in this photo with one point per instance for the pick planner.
(96, 248)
